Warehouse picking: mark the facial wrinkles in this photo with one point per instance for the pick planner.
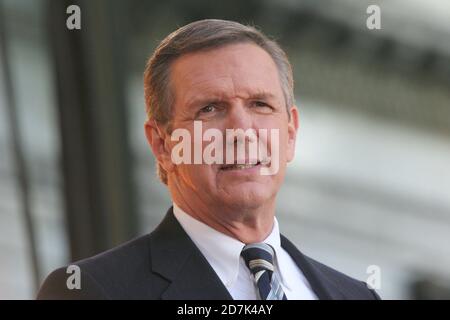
(234, 90)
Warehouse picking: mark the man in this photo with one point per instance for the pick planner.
(220, 240)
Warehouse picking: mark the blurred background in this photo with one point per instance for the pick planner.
(370, 184)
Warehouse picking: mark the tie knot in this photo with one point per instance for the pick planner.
(258, 257)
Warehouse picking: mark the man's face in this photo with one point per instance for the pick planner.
(231, 87)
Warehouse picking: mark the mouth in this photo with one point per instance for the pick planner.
(244, 166)
(228, 167)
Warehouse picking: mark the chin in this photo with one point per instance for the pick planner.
(244, 196)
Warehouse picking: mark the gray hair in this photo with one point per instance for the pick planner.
(197, 36)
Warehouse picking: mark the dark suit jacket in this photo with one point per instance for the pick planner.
(166, 264)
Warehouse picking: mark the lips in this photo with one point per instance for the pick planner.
(247, 164)
(239, 166)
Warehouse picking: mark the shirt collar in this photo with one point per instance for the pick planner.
(222, 251)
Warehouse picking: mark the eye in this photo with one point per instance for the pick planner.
(208, 109)
(261, 104)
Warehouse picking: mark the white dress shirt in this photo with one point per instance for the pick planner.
(224, 255)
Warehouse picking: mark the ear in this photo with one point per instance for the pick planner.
(293, 125)
(157, 140)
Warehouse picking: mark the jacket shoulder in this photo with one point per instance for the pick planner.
(61, 284)
(351, 288)
(123, 272)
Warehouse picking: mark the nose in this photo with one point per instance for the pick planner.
(238, 117)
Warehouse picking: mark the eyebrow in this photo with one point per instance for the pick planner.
(218, 98)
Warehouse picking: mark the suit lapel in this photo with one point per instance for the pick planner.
(176, 258)
(320, 284)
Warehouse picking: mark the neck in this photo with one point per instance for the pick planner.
(248, 225)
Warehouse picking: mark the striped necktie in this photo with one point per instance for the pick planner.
(259, 259)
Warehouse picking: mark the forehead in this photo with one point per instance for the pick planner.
(235, 70)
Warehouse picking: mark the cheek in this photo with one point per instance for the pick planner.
(198, 175)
